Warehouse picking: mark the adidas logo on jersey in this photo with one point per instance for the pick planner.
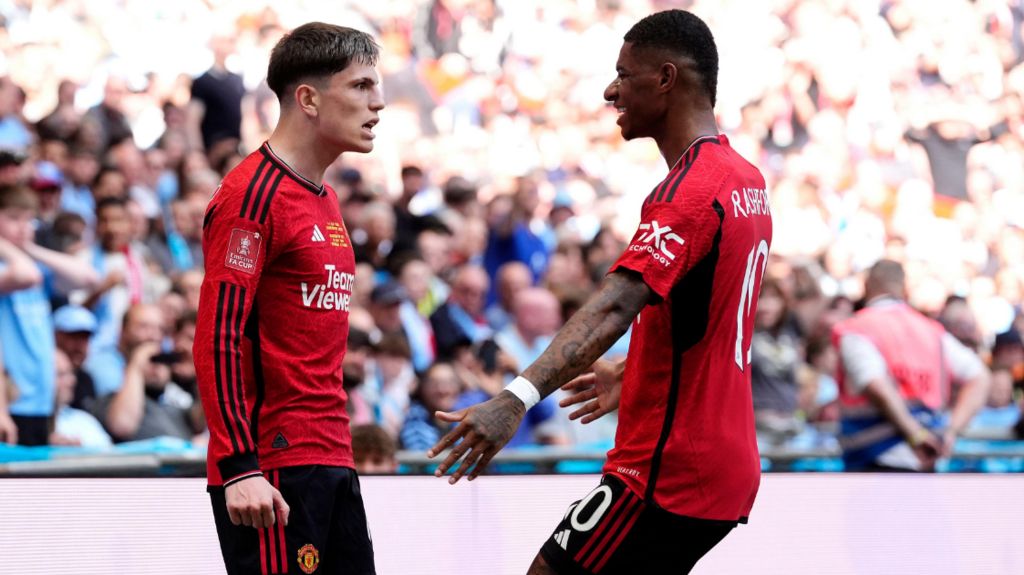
(279, 442)
(318, 236)
(562, 538)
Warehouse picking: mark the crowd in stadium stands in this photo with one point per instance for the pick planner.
(500, 192)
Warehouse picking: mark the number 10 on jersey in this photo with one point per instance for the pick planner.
(751, 279)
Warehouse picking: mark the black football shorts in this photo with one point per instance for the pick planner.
(326, 532)
(614, 531)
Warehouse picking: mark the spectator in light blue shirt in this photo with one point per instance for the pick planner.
(76, 195)
(26, 324)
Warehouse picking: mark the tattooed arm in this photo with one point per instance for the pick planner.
(590, 332)
(485, 428)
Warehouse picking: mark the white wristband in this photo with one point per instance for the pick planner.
(525, 391)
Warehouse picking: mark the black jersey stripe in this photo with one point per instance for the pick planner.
(270, 197)
(218, 357)
(679, 179)
(252, 332)
(690, 163)
(236, 339)
(233, 392)
(657, 189)
(209, 216)
(252, 184)
(229, 387)
(671, 182)
(258, 200)
(688, 329)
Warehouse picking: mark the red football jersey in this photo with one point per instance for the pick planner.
(685, 439)
(273, 322)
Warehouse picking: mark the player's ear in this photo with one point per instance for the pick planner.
(668, 75)
(307, 98)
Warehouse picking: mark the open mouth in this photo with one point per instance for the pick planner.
(369, 125)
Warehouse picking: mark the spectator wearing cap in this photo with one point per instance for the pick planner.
(26, 322)
(461, 317)
(73, 426)
(11, 161)
(74, 326)
(46, 182)
(354, 197)
(395, 313)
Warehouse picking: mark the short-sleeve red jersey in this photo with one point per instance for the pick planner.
(273, 322)
(685, 438)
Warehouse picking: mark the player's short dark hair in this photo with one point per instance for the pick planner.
(315, 51)
(684, 34)
(18, 197)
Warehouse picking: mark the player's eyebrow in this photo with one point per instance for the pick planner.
(365, 79)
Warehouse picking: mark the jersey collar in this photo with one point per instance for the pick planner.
(268, 152)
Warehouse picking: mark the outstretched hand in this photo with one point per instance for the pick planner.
(482, 431)
(598, 391)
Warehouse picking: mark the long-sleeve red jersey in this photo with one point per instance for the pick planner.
(273, 322)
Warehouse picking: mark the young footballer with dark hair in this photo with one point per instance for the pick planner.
(273, 320)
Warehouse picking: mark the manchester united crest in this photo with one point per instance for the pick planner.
(309, 558)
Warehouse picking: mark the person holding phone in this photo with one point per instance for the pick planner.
(148, 404)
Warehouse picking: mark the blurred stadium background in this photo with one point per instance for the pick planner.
(885, 128)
